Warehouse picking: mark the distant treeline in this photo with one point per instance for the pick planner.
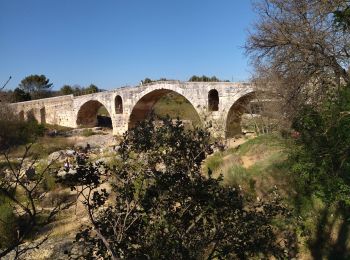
(37, 86)
(204, 78)
(194, 78)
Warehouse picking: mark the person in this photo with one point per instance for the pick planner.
(88, 147)
(66, 165)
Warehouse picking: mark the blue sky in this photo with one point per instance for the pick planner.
(120, 42)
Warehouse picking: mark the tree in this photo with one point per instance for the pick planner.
(297, 45)
(204, 78)
(66, 90)
(22, 215)
(20, 95)
(164, 208)
(37, 86)
(321, 164)
(22, 187)
(342, 17)
(146, 81)
(92, 89)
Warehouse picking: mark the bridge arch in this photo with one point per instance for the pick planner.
(213, 100)
(234, 115)
(145, 104)
(118, 104)
(21, 115)
(87, 114)
(42, 115)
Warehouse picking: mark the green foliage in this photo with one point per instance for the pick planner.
(323, 157)
(14, 132)
(204, 78)
(92, 89)
(77, 90)
(49, 182)
(66, 90)
(87, 132)
(146, 81)
(342, 18)
(164, 208)
(22, 191)
(321, 164)
(20, 95)
(37, 86)
(176, 106)
(8, 223)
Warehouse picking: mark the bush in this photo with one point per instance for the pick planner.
(322, 156)
(169, 210)
(321, 164)
(8, 223)
(14, 132)
(87, 132)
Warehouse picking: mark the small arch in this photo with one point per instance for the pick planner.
(30, 115)
(43, 115)
(93, 113)
(118, 102)
(234, 116)
(21, 115)
(213, 100)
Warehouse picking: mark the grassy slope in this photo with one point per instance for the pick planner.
(175, 106)
(261, 164)
(257, 165)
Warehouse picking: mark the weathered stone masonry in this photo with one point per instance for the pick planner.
(128, 105)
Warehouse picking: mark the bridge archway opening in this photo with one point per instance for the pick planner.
(92, 114)
(21, 115)
(42, 115)
(213, 100)
(30, 116)
(234, 116)
(118, 102)
(164, 102)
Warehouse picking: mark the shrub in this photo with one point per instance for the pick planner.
(87, 132)
(8, 223)
(164, 208)
(14, 132)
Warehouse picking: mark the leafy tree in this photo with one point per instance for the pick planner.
(204, 79)
(146, 81)
(14, 132)
(321, 162)
(37, 86)
(20, 95)
(66, 90)
(22, 189)
(92, 89)
(342, 17)
(164, 208)
(296, 45)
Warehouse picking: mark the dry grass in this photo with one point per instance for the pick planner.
(43, 147)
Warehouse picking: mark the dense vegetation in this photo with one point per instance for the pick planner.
(164, 208)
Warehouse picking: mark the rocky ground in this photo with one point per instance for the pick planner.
(61, 233)
(101, 146)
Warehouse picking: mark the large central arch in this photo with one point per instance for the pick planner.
(88, 115)
(145, 105)
(234, 116)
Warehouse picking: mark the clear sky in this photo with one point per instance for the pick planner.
(120, 42)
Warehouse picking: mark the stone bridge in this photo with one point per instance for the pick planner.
(220, 102)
